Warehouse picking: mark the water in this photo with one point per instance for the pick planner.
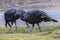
(55, 14)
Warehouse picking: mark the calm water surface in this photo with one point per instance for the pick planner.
(52, 13)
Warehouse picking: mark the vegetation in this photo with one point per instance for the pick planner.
(23, 33)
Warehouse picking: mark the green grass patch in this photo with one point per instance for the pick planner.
(22, 33)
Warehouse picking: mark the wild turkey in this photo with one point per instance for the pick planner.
(35, 16)
(11, 15)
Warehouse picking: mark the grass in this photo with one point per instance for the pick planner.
(22, 33)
